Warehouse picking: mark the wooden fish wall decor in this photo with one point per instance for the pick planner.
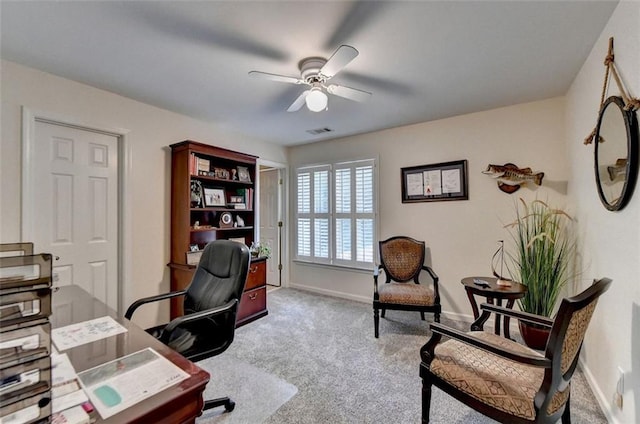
(510, 178)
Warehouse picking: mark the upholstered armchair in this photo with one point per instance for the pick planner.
(402, 261)
(503, 379)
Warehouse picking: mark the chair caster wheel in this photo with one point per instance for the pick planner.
(230, 406)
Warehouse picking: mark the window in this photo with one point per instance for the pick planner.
(335, 214)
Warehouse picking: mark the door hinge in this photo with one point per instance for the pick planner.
(279, 223)
(280, 181)
(279, 267)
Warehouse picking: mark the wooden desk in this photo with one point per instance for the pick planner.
(494, 291)
(181, 403)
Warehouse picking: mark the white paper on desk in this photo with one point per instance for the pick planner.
(123, 382)
(65, 387)
(85, 332)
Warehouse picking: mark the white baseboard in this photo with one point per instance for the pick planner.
(333, 293)
(603, 401)
(365, 299)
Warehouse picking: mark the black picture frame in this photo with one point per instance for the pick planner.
(214, 197)
(435, 182)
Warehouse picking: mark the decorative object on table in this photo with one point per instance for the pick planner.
(543, 255)
(510, 178)
(243, 174)
(499, 256)
(234, 175)
(617, 133)
(214, 197)
(226, 220)
(434, 182)
(196, 194)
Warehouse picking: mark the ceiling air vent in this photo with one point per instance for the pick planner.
(319, 131)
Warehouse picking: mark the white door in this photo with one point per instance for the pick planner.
(74, 206)
(269, 218)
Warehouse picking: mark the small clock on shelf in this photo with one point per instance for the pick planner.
(226, 220)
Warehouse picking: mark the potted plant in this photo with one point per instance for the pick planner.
(542, 261)
(259, 249)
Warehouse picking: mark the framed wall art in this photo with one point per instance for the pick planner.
(435, 182)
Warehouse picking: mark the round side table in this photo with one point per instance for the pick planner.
(493, 291)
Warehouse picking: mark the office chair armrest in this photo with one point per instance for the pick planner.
(523, 316)
(196, 316)
(523, 358)
(135, 305)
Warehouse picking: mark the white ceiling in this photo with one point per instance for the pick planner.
(422, 60)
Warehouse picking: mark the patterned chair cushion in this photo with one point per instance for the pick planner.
(406, 294)
(499, 382)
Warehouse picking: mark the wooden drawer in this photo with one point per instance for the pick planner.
(253, 305)
(257, 275)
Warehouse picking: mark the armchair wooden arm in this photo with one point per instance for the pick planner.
(487, 309)
(135, 305)
(535, 360)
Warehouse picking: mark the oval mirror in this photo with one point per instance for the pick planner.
(616, 153)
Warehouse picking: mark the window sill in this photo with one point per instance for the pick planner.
(348, 268)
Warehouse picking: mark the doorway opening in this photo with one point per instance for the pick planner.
(272, 227)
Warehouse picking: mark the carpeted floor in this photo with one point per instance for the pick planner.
(324, 348)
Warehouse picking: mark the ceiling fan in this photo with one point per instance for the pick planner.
(315, 72)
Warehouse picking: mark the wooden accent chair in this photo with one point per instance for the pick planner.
(402, 260)
(503, 379)
(211, 301)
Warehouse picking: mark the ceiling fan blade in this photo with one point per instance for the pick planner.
(275, 77)
(297, 104)
(339, 60)
(349, 93)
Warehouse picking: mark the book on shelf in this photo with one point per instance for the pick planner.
(239, 206)
(204, 165)
(247, 195)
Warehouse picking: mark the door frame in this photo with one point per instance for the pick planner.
(284, 212)
(124, 152)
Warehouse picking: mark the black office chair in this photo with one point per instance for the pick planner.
(210, 307)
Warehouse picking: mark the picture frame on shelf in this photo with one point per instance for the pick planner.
(214, 197)
(435, 182)
(221, 173)
(243, 174)
(193, 257)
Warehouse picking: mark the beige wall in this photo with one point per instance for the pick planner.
(610, 242)
(462, 235)
(151, 130)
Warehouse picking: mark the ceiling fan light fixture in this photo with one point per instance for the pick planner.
(316, 100)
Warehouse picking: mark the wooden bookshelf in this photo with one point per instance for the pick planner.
(205, 180)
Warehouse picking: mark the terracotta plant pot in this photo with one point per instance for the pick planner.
(534, 336)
